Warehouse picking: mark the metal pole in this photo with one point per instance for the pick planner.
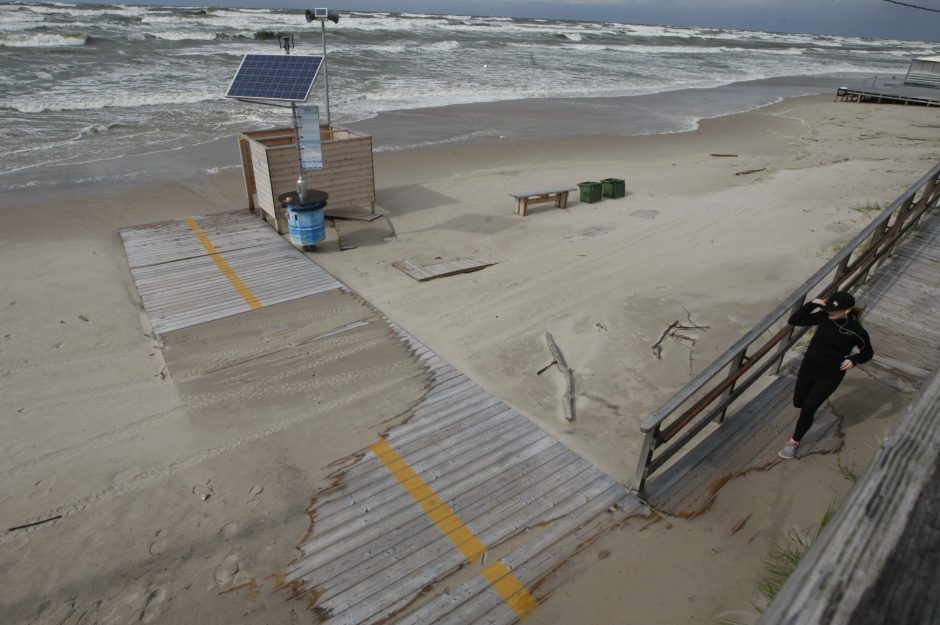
(301, 181)
(326, 74)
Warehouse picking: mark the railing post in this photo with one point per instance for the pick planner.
(782, 350)
(735, 365)
(899, 222)
(646, 456)
(871, 244)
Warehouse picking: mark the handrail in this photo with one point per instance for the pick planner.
(873, 243)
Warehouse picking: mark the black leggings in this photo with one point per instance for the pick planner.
(809, 394)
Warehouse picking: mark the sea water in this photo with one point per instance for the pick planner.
(83, 83)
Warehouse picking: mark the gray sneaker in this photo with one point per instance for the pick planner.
(789, 450)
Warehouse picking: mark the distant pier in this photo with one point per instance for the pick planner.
(892, 91)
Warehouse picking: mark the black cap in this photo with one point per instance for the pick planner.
(840, 300)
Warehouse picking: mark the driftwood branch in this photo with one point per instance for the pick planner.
(749, 171)
(692, 325)
(658, 345)
(672, 331)
(724, 155)
(35, 523)
(545, 368)
(569, 376)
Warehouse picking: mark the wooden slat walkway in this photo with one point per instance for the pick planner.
(377, 545)
(460, 515)
(430, 271)
(884, 91)
(204, 268)
(902, 301)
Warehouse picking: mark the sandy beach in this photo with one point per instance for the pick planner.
(182, 469)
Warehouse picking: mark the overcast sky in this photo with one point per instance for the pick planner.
(868, 18)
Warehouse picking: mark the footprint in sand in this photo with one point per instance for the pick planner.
(203, 491)
(229, 530)
(158, 546)
(225, 572)
(153, 605)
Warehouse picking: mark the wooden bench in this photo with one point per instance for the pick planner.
(524, 198)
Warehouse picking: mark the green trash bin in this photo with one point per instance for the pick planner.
(613, 187)
(591, 192)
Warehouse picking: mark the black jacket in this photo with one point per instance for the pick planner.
(833, 341)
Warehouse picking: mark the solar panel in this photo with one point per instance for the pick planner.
(275, 77)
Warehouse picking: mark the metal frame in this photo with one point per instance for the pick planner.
(707, 397)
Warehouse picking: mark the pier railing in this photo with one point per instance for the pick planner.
(709, 395)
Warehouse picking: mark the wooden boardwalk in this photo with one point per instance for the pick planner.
(203, 268)
(460, 515)
(902, 298)
(882, 91)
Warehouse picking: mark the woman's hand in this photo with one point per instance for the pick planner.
(847, 364)
(820, 302)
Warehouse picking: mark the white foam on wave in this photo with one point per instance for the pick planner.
(479, 134)
(41, 40)
(19, 20)
(113, 98)
(182, 35)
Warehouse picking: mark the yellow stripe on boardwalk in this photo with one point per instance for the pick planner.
(249, 297)
(497, 574)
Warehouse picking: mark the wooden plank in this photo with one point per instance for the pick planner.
(538, 192)
(425, 272)
(359, 215)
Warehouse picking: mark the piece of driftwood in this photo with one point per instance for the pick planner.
(567, 372)
(749, 171)
(347, 213)
(35, 523)
(725, 155)
(422, 272)
(658, 345)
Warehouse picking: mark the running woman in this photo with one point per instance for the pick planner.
(828, 357)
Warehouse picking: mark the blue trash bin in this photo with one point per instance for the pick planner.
(305, 217)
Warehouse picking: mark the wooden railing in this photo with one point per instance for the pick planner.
(709, 395)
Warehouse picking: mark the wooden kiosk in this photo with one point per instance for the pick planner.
(271, 167)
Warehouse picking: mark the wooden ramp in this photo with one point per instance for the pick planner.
(458, 516)
(902, 301)
(203, 268)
